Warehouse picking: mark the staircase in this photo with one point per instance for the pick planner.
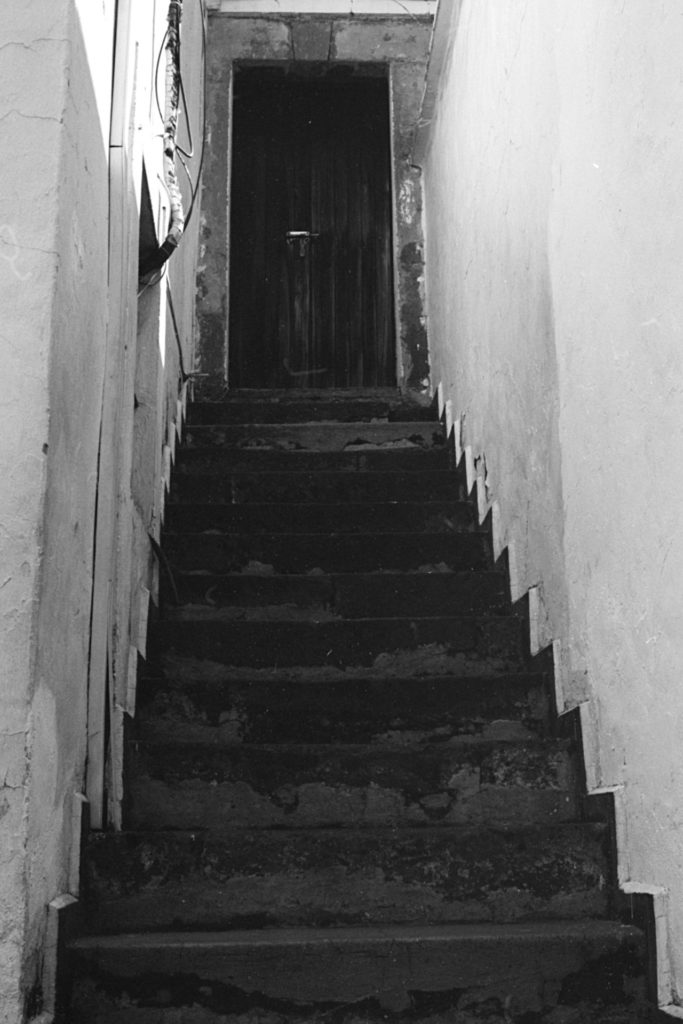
(347, 797)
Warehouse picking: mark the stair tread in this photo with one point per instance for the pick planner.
(287, 553)
(517, 932)
(309, 970)
(382, 832)
(458, 746)
(382, 430)
(435, 517)
(369, 535)
(304, 425)
(461, 684)
(446, 476)
(242, 486)
(334, 407)
(345, 624)
(207, 463)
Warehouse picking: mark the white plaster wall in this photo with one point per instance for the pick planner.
(75, 376)
(29, 124)
(53, 271)
(487, 181)
(554, 213)
(55, 325)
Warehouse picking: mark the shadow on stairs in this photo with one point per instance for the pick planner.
(348, 799)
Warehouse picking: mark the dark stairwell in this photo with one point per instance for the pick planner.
(348, 799)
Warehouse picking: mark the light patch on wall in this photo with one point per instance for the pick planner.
(43, 726)
(96, 23)
(407, 202)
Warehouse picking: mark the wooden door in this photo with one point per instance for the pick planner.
(311, 281)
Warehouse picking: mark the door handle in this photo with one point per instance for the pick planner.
(301, 240)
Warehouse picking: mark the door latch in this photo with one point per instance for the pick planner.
(301, 239)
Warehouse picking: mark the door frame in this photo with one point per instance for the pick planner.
(399, 43)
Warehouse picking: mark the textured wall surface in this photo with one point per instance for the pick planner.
(52, 287)
(57, 326)
(553, 224)
(75, 371)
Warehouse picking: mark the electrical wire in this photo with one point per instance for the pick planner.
(188, 173)
(183, 100)
(179, 221)
(162, 47)
(183, 375)
(154, 280)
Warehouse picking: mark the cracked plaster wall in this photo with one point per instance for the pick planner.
(402, 44)
(53, 275)
(554, 251)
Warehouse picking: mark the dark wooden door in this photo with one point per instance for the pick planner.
(311, 282)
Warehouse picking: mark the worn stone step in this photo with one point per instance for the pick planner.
(300, 553)
(248, 596)
(356, 642)
(93, 1004)
(349, 517)
(175, 879)
(425, 973)
(325, 436)
(207, 702)
(185, 785)
(283, 486)
(204, 463)
(288, 408)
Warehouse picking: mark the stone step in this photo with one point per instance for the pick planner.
(199, 701)
(316, 437)
(284, 408)
(248, 596)
(451, 974)
(474, 782)
(330, 877)
(349, 517)
(301, 553)
(241, 488)
(209, 462)
(356, 642)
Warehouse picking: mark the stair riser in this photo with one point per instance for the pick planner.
(301, 554)
(354, 596)
(240, 488)
(347, 978)
(200, 465)
(406, 517)
(157, 805)
(339, 644)
(319, 437)
(187, 881)
(180, 786)
(194, 703)
(253, 410)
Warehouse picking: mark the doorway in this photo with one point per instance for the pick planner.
(311, 274)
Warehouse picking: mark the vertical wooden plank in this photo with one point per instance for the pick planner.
(121, 331)
(314, 155)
